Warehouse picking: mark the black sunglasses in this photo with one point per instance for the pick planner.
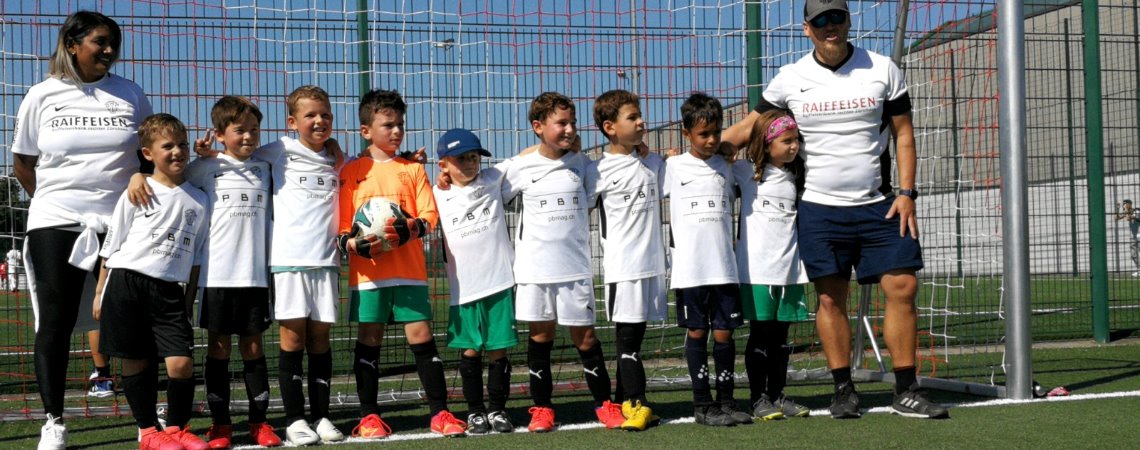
(835, 17)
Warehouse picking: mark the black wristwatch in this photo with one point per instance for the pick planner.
(912, 193)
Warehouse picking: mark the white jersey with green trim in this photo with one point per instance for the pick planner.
(479, 251)
(768, 252)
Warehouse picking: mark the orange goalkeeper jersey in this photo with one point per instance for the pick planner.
(400, 181)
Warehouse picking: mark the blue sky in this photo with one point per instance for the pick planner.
(185, 55)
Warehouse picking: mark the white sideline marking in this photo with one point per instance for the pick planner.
(683, 420)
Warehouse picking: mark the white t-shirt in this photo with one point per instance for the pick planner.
(841, 116)
(479, 252)
(86, 139)
(305, 185)
(164, 241)
(767, 252)
(700, 210)
(15, 259)
(552, 242)
(238, 193)
(629, 188)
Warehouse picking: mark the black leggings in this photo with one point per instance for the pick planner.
(59, 291)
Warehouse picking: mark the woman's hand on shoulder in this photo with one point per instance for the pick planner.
(138, 191)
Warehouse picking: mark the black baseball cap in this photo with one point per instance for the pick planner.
(813, 8)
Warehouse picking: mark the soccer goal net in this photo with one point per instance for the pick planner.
(477, 65)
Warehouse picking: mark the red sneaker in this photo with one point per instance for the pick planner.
(610, 415)
(541, 419)
(219, 437)
(153, 439)
(371, 427)
(189, 441)
(263, 435)
(446, 424)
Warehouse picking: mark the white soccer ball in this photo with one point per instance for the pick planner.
(373, 215)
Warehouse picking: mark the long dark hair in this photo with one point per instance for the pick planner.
(758, 149)
(77, 26)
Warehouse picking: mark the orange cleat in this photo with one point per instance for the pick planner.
(541, 419)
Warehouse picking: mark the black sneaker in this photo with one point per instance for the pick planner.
(712, 415)
(738, 416)
(477, 424)
(764, 409)
(845, 404)
(913, 403)
(501, 422)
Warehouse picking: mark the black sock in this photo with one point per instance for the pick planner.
(597, 377)
(429, 366)
(103, 372)
(697, 358)
(756, 361)
(630, 369)
(724, 360)
(141, 390)
(499, 383)
(778, 353)
(179, 401)
(471, 373)
(367, 370)
(256, 375)
(905, 377)
(291, 367)
(538, 363)
(218, 390)
(320, 375)
(840, 376)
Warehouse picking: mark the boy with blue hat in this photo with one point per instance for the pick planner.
(479, 271)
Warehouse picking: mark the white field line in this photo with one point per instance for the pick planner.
(815, 413)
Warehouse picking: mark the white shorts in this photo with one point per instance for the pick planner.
(312, 294)
(570, 303)
(637, 301)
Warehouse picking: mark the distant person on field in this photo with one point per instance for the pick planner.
(15, 263)
(1126, 212)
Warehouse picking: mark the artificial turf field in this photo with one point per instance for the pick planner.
(1092, 418)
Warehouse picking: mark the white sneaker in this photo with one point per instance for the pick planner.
(299, 433)
(53, 435)
(328, 431)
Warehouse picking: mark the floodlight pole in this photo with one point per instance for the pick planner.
(1014, 198)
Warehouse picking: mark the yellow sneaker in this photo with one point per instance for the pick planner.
(640, 417)
(627, 408)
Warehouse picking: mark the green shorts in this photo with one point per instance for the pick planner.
(393, 304)
(780, 303)
(484, 324)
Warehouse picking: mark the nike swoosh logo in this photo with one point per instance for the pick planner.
(60, 108)
(535, 180)
(149, 214)
(687, 182)
(294, 158)
(219, 174)
(806, 89)
(616, 182)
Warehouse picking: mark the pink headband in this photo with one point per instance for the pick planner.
(779, 126)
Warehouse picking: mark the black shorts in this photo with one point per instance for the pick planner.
(240, 311)
(703, 307)
(144, 318)
(835, 239)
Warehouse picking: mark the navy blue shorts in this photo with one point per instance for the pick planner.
(703, 307)
(833, 239)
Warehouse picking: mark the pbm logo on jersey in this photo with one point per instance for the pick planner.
(112, 106)
(574, 175)
(190, 216)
